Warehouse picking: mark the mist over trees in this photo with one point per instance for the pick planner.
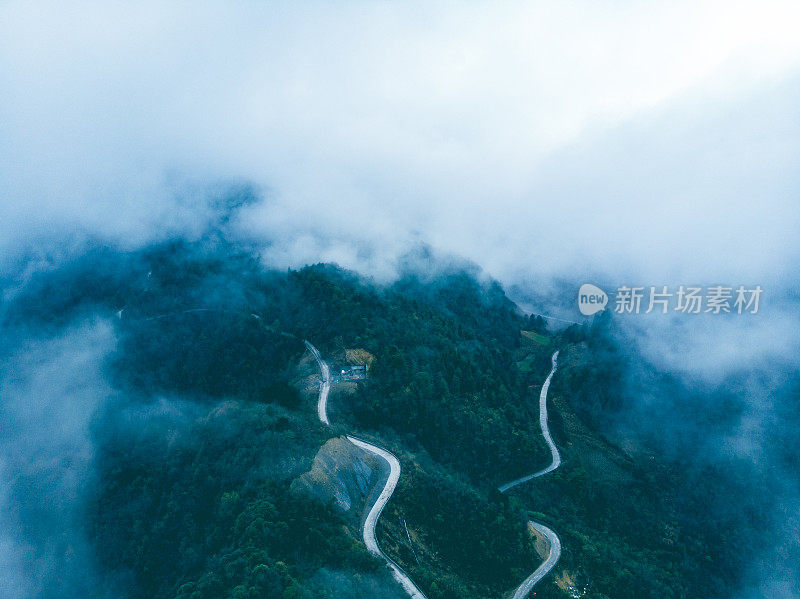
(197, 427)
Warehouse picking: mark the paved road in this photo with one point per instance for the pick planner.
(325, 371)
(556, 457)
(371, 521)
(372, 518)
(554, 542)
(527, 585)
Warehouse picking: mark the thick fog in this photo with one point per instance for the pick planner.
(620, 143)
(643, 142)
(51, 389)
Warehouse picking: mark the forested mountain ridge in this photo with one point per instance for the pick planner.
(212, 420)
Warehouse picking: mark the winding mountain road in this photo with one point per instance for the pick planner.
(325, 372)
(556, 457)
(371, 521)
(554, 542)
(372, 518)
(527, 585)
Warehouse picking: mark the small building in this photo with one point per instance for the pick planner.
(354, 373)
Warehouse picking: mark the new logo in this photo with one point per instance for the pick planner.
(591, 299)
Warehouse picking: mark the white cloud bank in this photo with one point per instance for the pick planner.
(655, 141)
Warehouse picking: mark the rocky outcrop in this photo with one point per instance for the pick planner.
(342, 474)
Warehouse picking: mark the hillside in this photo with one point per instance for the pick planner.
(213, 477)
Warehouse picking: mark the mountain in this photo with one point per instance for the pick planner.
(212, 477)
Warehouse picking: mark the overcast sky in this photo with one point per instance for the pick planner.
(643, 142)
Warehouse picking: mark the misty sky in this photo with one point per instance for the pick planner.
(642, 142)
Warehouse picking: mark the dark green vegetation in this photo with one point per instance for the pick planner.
(208, 429)
(195, 504)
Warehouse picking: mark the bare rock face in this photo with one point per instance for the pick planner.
(340, 473)
(540, 543)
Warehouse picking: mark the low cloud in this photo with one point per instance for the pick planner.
(51, 390)
(656, 143)
(537, 139)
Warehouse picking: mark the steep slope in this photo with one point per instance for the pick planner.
(204, 432)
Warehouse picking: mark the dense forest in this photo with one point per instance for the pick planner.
(210, 424)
